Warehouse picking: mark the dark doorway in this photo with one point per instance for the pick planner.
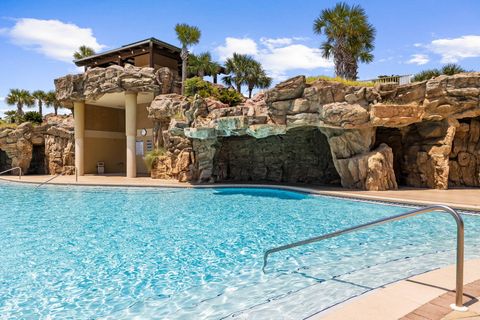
(37, 165)
(5, 162)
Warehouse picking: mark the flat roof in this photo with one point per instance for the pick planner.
(131, 46)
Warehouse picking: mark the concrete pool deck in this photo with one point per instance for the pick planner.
(425, 296)
(461, 198)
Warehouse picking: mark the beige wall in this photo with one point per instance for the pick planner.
(104, 119)
(112, 151)
(105, 138)
(142, 117)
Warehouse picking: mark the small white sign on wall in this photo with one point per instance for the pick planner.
(139, 148)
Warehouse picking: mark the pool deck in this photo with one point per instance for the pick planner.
(425, 296)
(461, 198)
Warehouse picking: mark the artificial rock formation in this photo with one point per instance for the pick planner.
(95, 82)
(423, 134)
(46, 148)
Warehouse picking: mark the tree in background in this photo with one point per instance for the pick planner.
(448, 69)
(20, 98)
(244, 69)
(256, 77)
(202, 65)
(51, 101)
(350, 38)
(236, 69)
(187, 35)
(40, 97)
(83, 52)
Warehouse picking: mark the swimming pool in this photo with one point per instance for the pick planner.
(117, 253)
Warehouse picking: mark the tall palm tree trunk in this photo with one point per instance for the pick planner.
(40, 109)
(239, 87)
(184, 56)
(19, 109)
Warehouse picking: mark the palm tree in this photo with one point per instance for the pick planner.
(349, 38)
(202, 65)
(236, 69)
(83, 52)
(40, 96)
(51, 101)
(187, 35)
(20, 98)
(256, 77)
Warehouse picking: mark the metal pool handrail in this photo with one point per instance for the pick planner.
(11, 169)
(460, 243)
(56, 176)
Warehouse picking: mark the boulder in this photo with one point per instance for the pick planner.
(368, 171)
(286, 90)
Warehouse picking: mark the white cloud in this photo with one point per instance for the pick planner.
(52, 38)
(453, 50)
(277, 55)
(419, 59)
(238, 45)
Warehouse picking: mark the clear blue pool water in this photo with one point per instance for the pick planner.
(121, 253)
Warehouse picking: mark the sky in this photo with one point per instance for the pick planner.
(38, 38)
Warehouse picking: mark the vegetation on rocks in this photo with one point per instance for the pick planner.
(310, 80)
(197, 86)
(448, 69)
(151, 156)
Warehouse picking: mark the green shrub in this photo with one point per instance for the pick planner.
(151, 156)
(205, 89)
(426, 75)
(228, 96)
(197, 85)
(448, 69)
(32, 116)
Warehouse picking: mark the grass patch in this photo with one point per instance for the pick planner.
(151, 156)
(5, 125)
(346, 82)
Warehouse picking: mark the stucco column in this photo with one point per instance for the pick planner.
(79, 119)
(131, 132)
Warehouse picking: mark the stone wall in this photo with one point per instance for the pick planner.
(433, 140)
(54, 137)
(301, 155)
(464, 159)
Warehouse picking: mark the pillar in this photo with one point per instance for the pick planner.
(131, 132)
(79, 120)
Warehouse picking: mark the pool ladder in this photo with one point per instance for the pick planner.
(56, 176)
(460, 243)
(14, 168)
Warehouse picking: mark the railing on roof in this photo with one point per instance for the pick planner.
(405, 79)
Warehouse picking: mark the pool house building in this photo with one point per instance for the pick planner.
(112, 129)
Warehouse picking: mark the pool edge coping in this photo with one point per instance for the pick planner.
(303, 189)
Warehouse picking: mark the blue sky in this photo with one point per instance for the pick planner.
(37, 37)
